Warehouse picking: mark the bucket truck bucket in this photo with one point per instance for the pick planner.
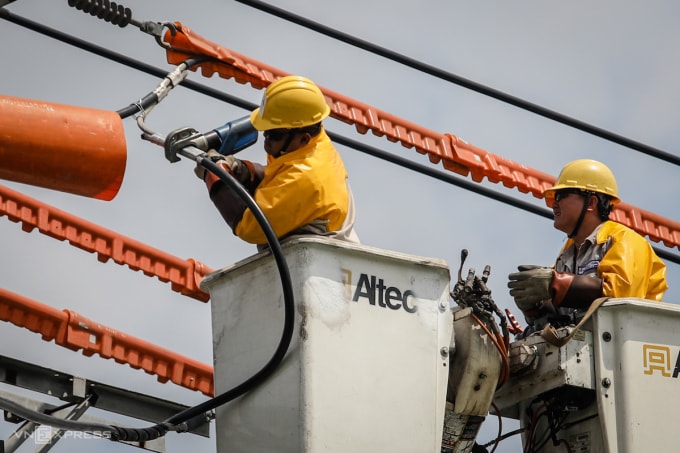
(367, 368)
(610, 387)
(71, 149)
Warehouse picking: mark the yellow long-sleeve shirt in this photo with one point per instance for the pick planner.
(308, 185)
(623, 259)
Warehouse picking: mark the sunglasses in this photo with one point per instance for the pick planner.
(561, 194)
(276, 134)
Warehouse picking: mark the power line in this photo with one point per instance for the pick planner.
(118, 58)
(238, 102)
(466, 83)
(464, 184)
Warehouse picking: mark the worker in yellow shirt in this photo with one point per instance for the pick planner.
(303, 189)
(600, 257)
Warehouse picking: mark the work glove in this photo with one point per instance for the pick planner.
(238, 168)
(530, 287)
(242, 170)
(213, 155)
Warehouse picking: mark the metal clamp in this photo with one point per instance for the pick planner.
(179, 140)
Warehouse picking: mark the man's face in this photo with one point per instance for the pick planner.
(276, 139)
(567, 209)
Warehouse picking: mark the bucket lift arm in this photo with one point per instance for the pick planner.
(478, 363)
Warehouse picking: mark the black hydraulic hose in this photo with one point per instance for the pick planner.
(143, 104)
(465, 83)
(42, 418)
(152, 98)
(184, 420)
(288, 297)
(289, 310)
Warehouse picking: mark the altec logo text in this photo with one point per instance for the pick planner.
(378, 293)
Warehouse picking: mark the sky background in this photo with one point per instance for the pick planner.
(613, 64)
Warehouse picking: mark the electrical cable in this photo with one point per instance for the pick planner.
(504, 436)
(238, 102)
(466, 83)
(118, 15)
(144, 103)
(500, 427)
(119, 58)
(169, 81)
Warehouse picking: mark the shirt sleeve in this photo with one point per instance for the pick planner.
(630, 268)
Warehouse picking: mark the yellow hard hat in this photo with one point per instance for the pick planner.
(585, 174)
(290, 102)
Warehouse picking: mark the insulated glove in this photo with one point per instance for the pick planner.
(530, 286)
(242, 170)
(213, 155)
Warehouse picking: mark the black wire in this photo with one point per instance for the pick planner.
(552, 429)
(192, 414)
(445, 177)
(238, 102)
(464, 184)
(286, 335)
(288, 297)
(545, 435)
(151, 98)
(144, 103)
(504, 436)
(51, 420)
(119, 58)
(466, 83)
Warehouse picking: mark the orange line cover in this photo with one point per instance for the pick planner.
(455, 154)
(184, 275)
(73, 331)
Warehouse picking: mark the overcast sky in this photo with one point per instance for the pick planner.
(614, 64)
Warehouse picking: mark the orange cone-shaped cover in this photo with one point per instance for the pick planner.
(62, 147)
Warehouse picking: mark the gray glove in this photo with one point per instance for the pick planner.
(213, 155)
(238, 169)
(530, 286)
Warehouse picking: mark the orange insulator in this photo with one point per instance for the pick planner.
(72, 149)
